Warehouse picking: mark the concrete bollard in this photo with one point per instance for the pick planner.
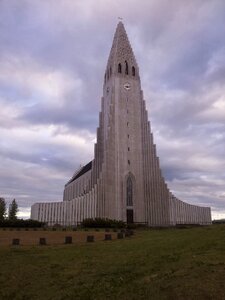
(42, 241)
(68, 240)
(108, 237)
(120, 235)
(90, 238)
(127, 233)
(15, 242)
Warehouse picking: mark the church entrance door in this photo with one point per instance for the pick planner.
(130, 216)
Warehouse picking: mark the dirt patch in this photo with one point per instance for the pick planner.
(32, 237)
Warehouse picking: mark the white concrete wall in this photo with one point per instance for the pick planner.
(78, 187)
(184, 213)
(66, 213)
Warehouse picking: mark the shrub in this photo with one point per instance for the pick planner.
(131, 226)
(221, 221)
(102, 223)
(20, 223)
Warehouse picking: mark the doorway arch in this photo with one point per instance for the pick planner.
(129, 199)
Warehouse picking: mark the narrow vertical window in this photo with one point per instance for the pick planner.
(119, 68)
(129, 192)
(110, 71)
(126, 68)
(133, 71)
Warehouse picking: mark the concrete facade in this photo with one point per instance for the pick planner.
(124, 180)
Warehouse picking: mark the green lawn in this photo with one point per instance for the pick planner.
(154, 264)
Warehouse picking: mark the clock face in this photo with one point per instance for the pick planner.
(127, 86)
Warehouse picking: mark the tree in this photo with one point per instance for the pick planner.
(13, 210)
(2, 209)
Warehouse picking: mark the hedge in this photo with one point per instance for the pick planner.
(21, 223)
(102, 223)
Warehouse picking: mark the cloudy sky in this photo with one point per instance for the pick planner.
(52, 60)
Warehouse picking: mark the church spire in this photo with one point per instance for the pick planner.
(121, 58)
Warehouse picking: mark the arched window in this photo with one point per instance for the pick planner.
(110, 71)
(126, 68)
(129, 192)
(119, 68)
(133, 71)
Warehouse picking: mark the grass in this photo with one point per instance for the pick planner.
(154, 264)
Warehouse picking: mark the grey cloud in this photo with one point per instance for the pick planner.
(73, 117)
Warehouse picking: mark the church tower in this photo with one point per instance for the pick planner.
(124, 180)
(132, 180)
(122, 134)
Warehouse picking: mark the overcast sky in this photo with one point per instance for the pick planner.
(52, 60)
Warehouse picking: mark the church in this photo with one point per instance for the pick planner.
(124, 180)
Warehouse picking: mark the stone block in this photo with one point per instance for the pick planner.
(127, 234)
(15, 242)
(108, 237)
(90, 238)
(42, 241)
(68, 240)
(120, 235)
